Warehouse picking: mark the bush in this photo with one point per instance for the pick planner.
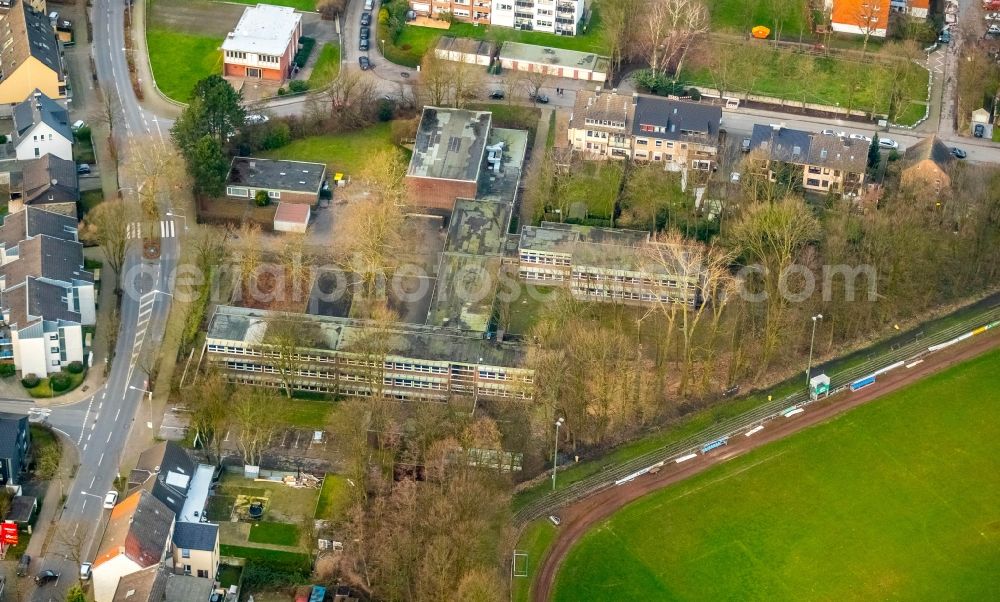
(385, 110)
(30, 381)
(306, 45)
(282, 91)
(82, 133)
(75, 367)
(3, 138)
(60, 381)
(695, 93)
(262, 199)
(298, 85)
(7, 370)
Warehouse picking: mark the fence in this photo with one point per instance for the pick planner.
(740, 424)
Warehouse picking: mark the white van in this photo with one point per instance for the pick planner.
(369, 4)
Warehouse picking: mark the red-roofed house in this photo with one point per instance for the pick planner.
(862, 17)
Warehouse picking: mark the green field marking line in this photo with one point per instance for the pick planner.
(862, 492)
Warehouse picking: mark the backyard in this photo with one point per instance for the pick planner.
(327, 67)
(342, 153)
(285, 508)
(334, 498)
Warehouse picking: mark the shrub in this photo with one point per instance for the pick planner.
(282, 91)
(7, 370)
(60, 381)
(3, 138)
(695, 93)
(306, 45)
(298, 85)
(30, 381)
(75, 367)
(82, 133)
(385, 110)
(261, 198)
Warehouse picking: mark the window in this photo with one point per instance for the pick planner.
(53, 350)
(203, 573)
(237, 191)
(37, 154)
(659, 143)
(186, 553)
(274, 194)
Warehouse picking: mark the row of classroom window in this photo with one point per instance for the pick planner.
(484, 374)
(578, 274)
(346, 389)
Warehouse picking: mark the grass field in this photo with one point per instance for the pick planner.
(293, 559)
(280, 534)
(345, 153)
(889, 500)
(180, 60)
(742, 15)
(303, 5)
(537, 537)
(334, 498)
(306, 413)
(327, 67)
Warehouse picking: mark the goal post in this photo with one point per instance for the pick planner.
(519, 564)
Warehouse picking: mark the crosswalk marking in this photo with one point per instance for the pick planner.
(167, 230)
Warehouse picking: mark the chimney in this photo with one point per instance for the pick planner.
(635, 98)
(675, 110)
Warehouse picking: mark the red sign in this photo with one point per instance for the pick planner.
(8, 533)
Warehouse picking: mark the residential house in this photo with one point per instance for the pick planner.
(41, 127)
(195, 549)
(824, 163)
(466, 11)
(552, 16)
(926, 166)
(448, 155)
(465, 50)
(146, 585)
(29, 56)
(165, 470)
(555, 62)
(137, 537)
(861, 17)
(264, 44)
(46, 295)
(680, 134)
(186, 588)
(413, 362)
(15, 446)
(284, 181)
(49, 183)
(614, 265)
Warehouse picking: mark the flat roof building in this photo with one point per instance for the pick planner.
(264, 43)
(556, 62)
(284, 181)
(447, 156)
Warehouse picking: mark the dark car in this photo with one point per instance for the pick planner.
(365, 33)
(496, 95)
(23, 564)
(945, 37)
(363, 45)
(365, 63)
(83, 169)
(366, 18)
(979, 130)
(46, 576)
(541, 98)
(958, 153)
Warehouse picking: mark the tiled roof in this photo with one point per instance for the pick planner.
(39, 108)
(139, 528)
(196, 536)
(25, 33)
(49, 179)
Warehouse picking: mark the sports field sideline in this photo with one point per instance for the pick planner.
(899, 498)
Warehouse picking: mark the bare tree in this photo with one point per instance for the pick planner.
(353, 97)
(669, 29)
(287, 337)
(870, 17)
(437, 77)
(248, 257)
(619, 22)
(71, 536)
(253, 415)
(512, 83)
(535, 80)
(209, 405)
(109, 226)
(385, 174)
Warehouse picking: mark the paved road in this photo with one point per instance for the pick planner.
(101, 424)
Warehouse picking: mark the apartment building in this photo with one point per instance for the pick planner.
(46, 295)
(828, 164)
(355, 357)
(605, 264)
(468, 11)
(29, 58)
(264, 43)
(553, 16)
(680, 134)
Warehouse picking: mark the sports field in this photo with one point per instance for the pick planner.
(899, 498)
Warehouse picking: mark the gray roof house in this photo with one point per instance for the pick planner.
(285, 181)
(15, 443)
(41, 126)
(49, 182)
(658, 117)
(164, 470)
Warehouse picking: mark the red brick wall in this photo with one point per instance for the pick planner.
(438, 194)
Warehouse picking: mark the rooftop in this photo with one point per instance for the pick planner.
(781, 143)
(659, 117)
(276, 174)
(197, 495)
(39, 108)
(263, 29)
(530, 53)
(49, 179)
(139, 528)
(296, 213)
(147, 585)
(466, 45)
(26, 33)
(166, 471)
(509, 146)
(846, 154)
(602, 108)
(242, 325)
(555, 237)
(929, 148)
(477, 227)
(10, 424)
(185, 588)
(196, 536)
(46, 257)
(463, 297)
(450, 144)
(34, 221)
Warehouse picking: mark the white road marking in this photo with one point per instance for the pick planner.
(109, 438)
(117, 414)
(101, 459)
(92, 481)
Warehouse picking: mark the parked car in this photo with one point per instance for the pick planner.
(366, 32)
(46, 576)
(834, 133)
(860, 137)
(366, 18)
(887, 143)
(363, 46)
(83, 169)
(85, 570)
(958, 153)
(554, 520)
(745, 145)
(993, 17)
(110, 498)
(497, 95)
(369, 4)
(255, 118)
(979, 131)
(364, 63)
(945, 37)
(541, 98)
(78, 124)
(993, 30)
(23, 564)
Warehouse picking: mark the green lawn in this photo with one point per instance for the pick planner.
(334, 498)
(595, 186)
(306, 413)
(220, 507)
(742, 15)
(886, 501)
(303, 5)
(44, 390)
(279, 534)
(228, 575)
(265, 556)
(760, 69)
(180, 60)
(327, 67)
(535, 540)
(90, 199)
(345, 153)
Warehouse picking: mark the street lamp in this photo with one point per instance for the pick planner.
(383, 47)
(555, 452)
(149, 424)
(815, 319)
(475, 388)
(183, 217)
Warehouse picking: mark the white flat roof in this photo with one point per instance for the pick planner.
(197, 494)
(263, 29)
